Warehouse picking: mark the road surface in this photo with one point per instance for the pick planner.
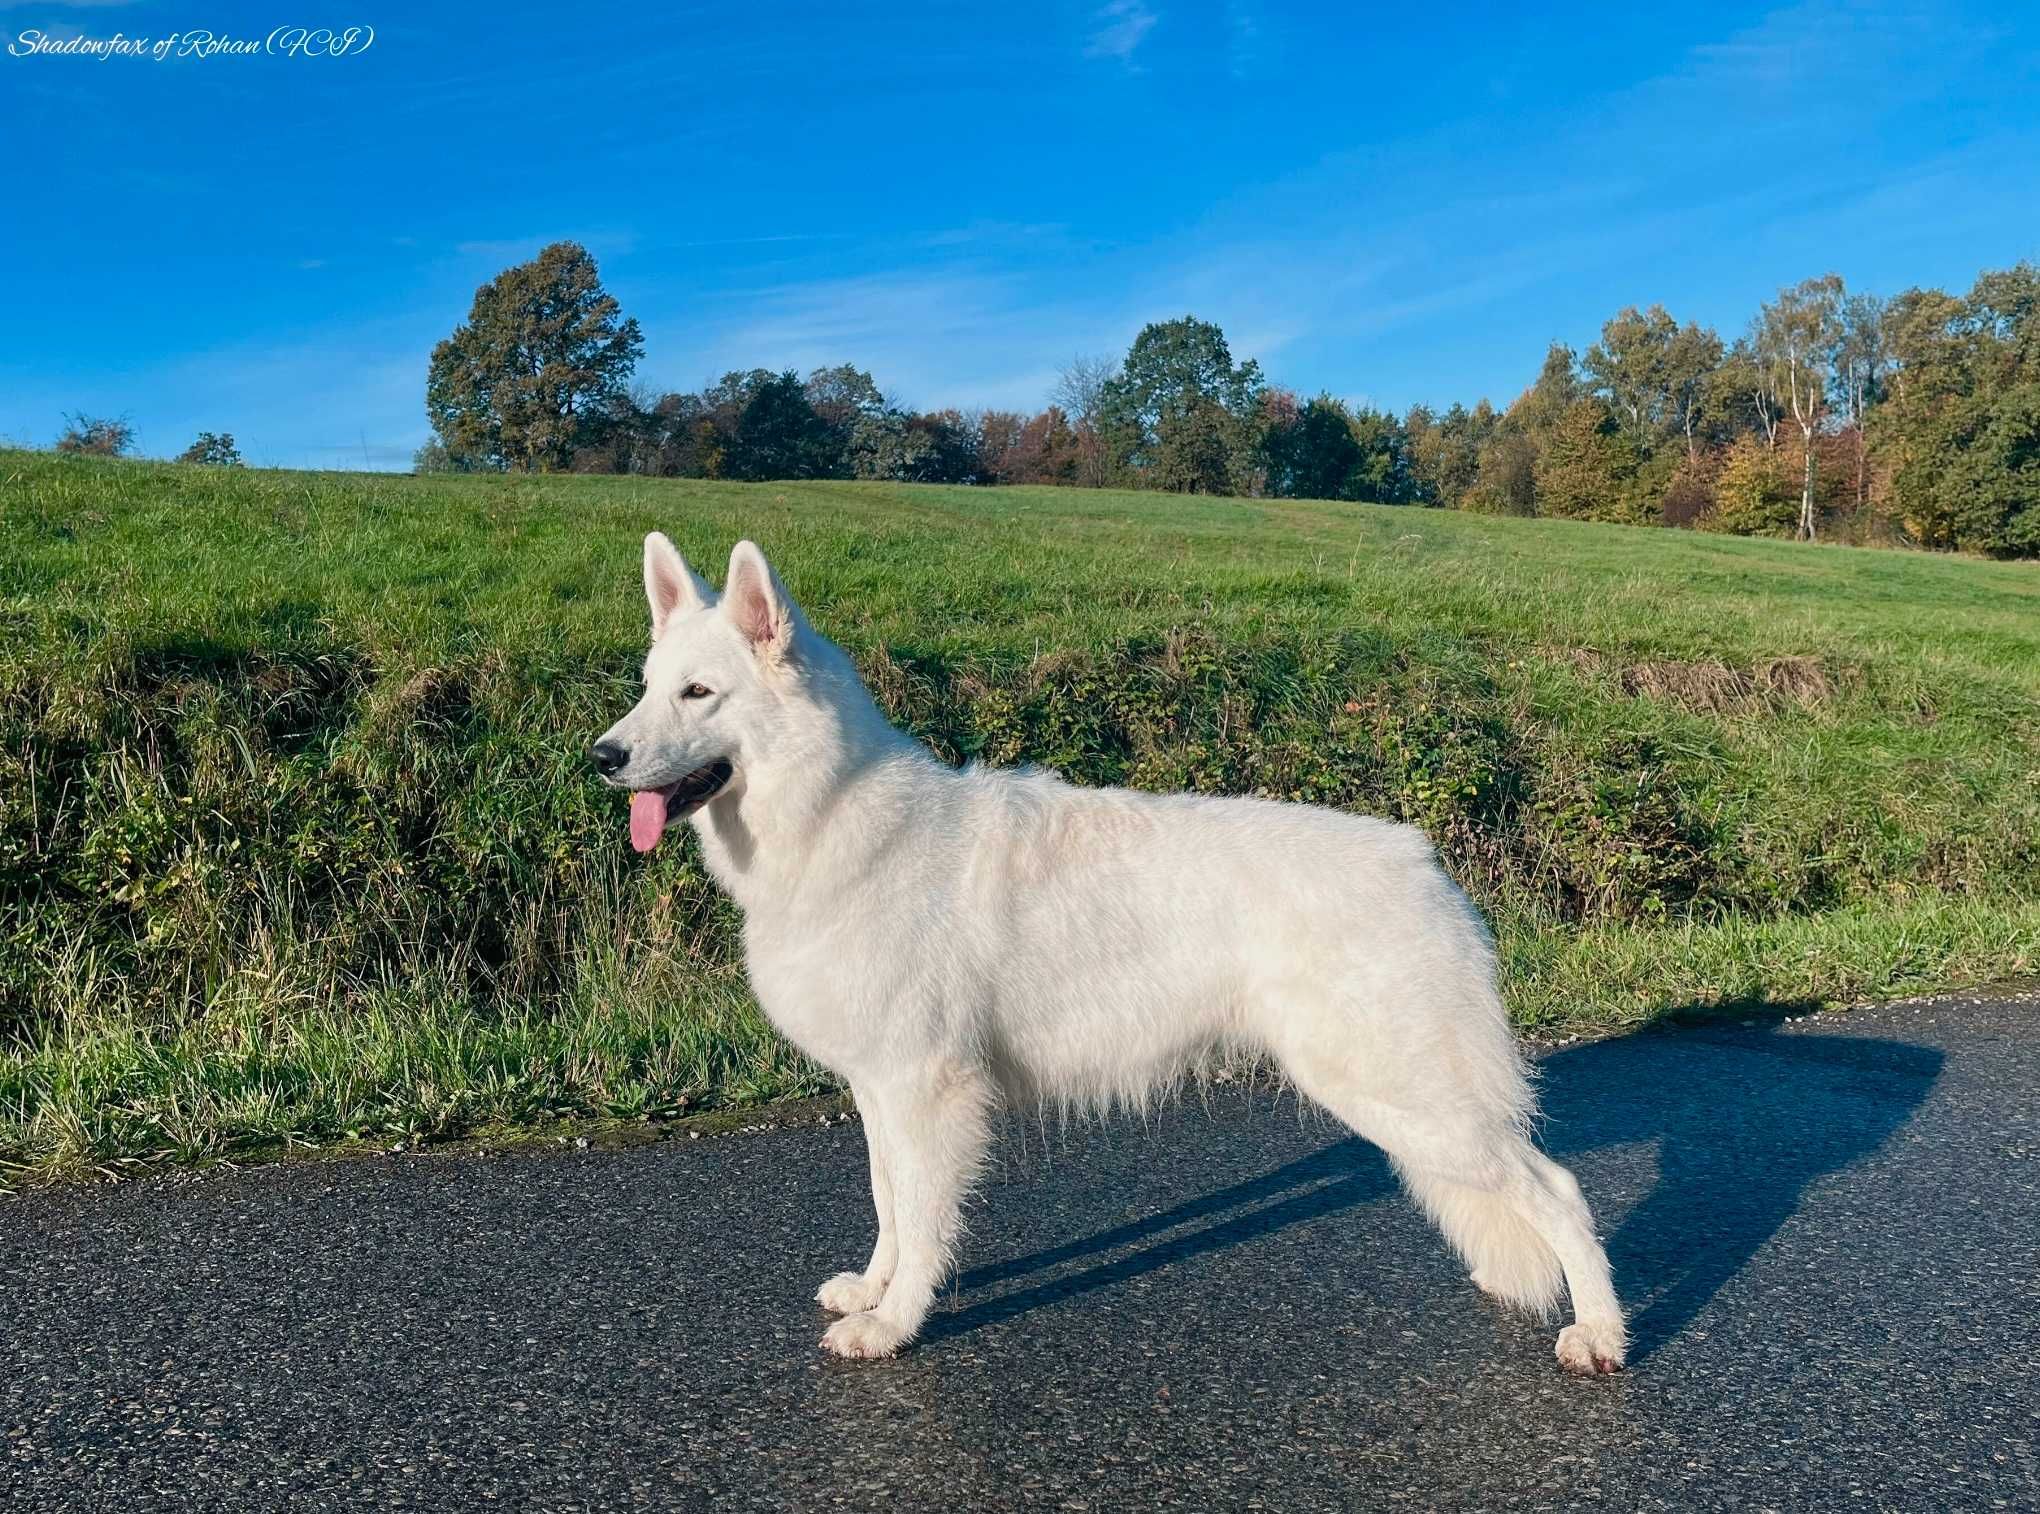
(1826, 1229)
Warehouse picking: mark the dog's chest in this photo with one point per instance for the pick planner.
(824, 983)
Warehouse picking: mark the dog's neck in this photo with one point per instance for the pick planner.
(824, 793)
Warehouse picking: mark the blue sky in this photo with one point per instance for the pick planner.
(1395, 205)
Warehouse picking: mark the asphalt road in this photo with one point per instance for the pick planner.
(1826, 1229)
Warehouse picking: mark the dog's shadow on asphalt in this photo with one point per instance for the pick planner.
(1744, 1117)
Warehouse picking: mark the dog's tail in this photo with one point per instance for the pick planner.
(1508, 1258)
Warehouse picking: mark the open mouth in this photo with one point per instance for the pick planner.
(652, 810)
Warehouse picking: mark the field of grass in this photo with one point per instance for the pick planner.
(298, 842)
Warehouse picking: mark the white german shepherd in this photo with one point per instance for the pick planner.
(947, 941)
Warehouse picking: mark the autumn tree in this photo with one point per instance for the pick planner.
(1988, 500)
(684, 439)
(435, 457)
(543, 355)
(1653, 373)
(1692, 364)
(998, 434)
(1586, 467)
(1556, 390)
(639, 431)
(1743, 395)
(1079, 394)
(1793, 342)
(1444, 450)
(860, 422)
(96, 436)
(213, 449)
(1860, 360)
(1507, 467)
(904, 447)
(1925, 344)
(1753, 494)
(1505, 481)
(1654, 376)
(1046, 449)
(1960, 433)
(1630, 367)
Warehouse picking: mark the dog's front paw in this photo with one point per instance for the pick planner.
(850, 1293)
(1589, 1350)
(863, 1337)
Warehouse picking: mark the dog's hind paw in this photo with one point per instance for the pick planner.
(863, 1337)
(850, 1293)
(1589, 1350)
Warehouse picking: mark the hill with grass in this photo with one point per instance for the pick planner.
(299, 843)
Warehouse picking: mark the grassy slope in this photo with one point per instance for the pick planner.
(296, 839)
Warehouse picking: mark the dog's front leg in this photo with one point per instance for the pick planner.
(932, 1131)
(854, 1292)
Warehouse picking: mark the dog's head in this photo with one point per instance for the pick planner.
(716, 683)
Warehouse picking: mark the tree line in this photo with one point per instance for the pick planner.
(1911, 420)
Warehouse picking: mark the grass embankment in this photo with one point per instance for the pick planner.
(297, 839)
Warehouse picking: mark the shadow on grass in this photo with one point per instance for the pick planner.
(1744, 1118)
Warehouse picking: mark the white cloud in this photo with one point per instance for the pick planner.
(1243, 38)
(954, 336)
(1121, 27)
(981, 232)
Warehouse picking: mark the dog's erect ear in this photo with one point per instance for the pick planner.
(671, 587)
(757, 603)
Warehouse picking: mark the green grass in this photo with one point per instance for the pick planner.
(298, 842)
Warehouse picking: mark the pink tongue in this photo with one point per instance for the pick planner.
(647, 818)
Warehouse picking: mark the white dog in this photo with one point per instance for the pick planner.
(948, 940)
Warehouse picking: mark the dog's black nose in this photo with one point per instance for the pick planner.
(610, 757)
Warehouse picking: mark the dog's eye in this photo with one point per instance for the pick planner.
(695, 691)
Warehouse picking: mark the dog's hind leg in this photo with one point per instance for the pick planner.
(934, 1129)
(1452, 1124)
(1548, 1196)
(854, 1292)
(1520, 1229)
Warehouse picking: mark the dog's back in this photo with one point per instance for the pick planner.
(1108, 941)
